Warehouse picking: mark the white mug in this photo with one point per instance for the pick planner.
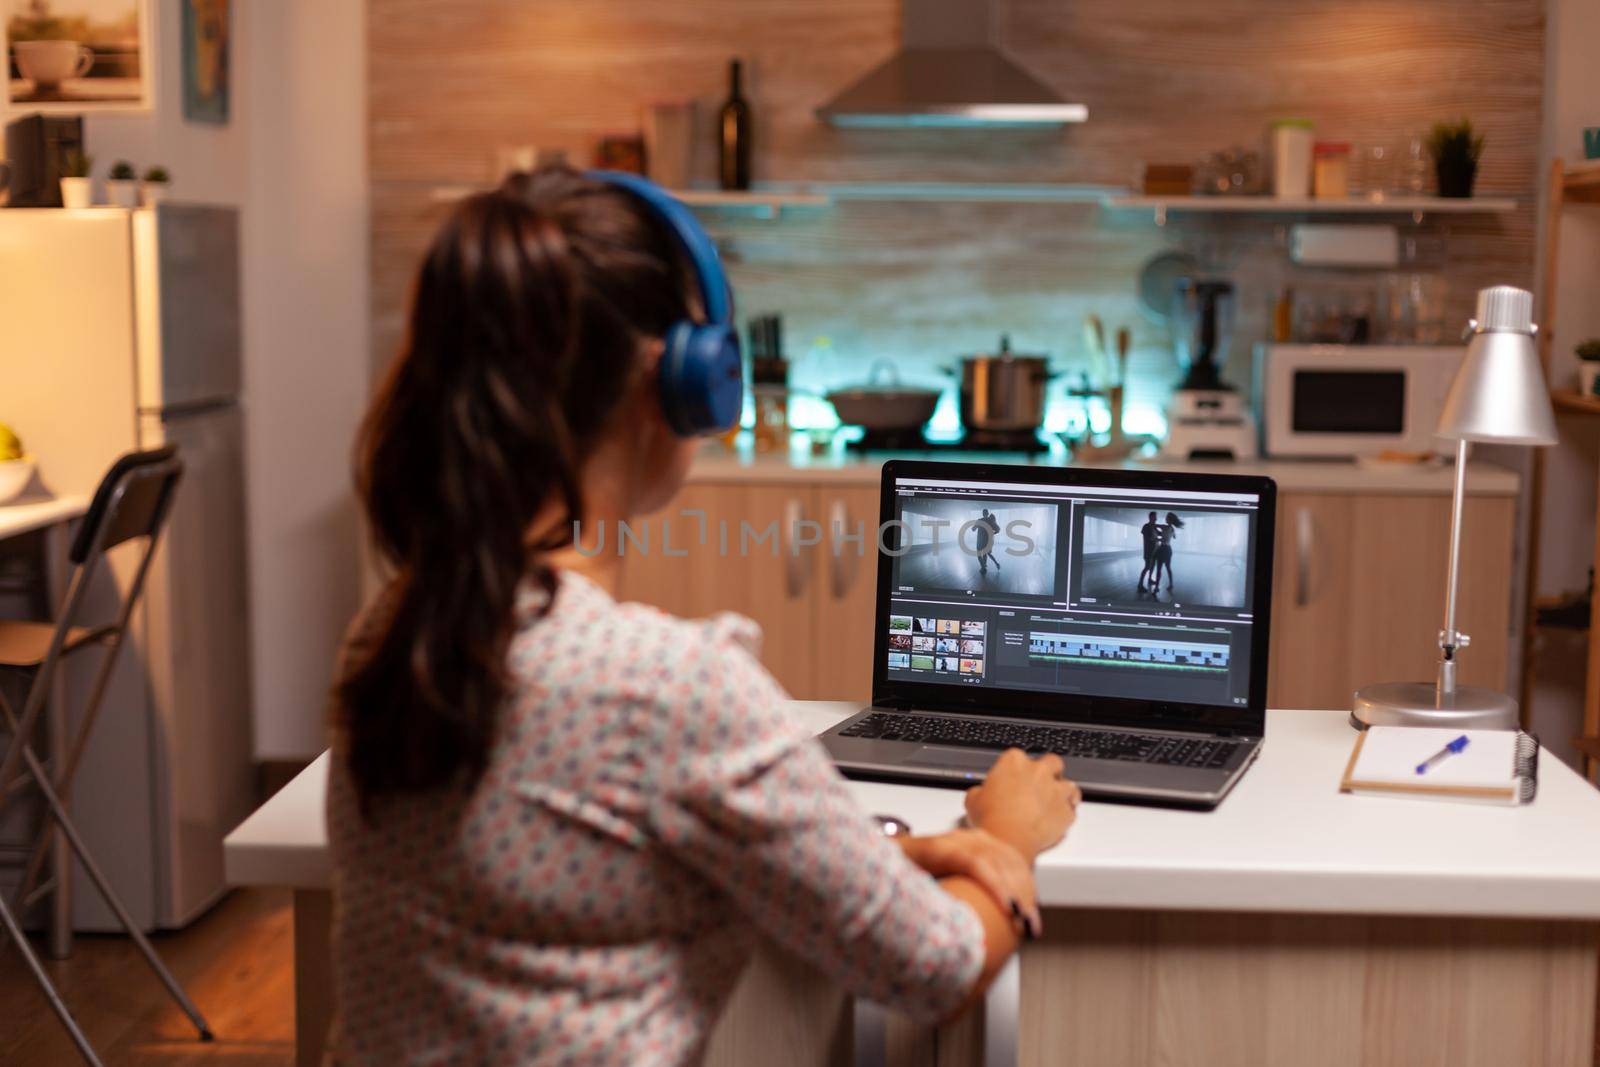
(49, 63)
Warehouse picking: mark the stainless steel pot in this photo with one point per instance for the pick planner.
(1004, 390)
(890, 406)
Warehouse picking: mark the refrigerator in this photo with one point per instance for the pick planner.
(121, 330)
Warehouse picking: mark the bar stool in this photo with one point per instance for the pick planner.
(131, 503)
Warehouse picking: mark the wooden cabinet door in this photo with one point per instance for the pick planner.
(845, 595)
(1309, 658)
(748, 563)
(1401, 554)
(1359, 589)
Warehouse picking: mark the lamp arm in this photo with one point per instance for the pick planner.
(1450, 640)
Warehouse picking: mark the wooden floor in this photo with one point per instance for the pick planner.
(237, 964)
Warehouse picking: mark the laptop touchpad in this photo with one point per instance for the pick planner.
(966, 759)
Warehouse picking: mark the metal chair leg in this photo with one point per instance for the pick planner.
(66, 826)
(85, 1049)
(115, 903)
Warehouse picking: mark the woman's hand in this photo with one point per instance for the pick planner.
(979, 855)
(1025, 802)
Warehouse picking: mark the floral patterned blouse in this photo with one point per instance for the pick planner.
(648, 812)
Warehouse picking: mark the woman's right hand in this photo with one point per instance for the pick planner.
(1025, 802)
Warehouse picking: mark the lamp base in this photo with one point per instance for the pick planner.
(1470, 707)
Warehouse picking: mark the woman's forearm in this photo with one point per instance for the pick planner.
(1002, 932)
(991, 877)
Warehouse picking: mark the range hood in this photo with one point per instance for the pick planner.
(949, 73)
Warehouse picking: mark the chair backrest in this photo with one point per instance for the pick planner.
(131, 501)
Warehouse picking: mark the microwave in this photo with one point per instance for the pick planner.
(1348, 401)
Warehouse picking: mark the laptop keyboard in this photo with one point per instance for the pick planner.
(1065, 741)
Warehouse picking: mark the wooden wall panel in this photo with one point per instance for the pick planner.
(451, 81)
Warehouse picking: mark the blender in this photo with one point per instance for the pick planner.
(1206, 418)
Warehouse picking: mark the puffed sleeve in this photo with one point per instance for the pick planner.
(754, 805)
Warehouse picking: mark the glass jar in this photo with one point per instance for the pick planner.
(1374, 178)
(1414, 166)
(1330, 171)
(771, 430)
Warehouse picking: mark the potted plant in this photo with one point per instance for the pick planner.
(123, 185)
(77, 188)
(1455, 148)
(1588, 354)
(156, 183)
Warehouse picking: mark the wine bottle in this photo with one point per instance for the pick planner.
(733, 134)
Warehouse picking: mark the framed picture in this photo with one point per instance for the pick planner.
(78, 56)
(207, 52)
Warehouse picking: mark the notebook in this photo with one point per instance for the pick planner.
(1496, 767)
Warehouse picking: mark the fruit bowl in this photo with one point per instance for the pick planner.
(15, 474)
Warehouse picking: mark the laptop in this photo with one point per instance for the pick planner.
(1118, 618)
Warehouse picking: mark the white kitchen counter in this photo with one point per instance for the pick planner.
(717, 465)
(1285, 840)
(1228, 884)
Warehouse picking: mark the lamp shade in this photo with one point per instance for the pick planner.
(1499, 394)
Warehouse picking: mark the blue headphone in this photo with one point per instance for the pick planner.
(702, 375)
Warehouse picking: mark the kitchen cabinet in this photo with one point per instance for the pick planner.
(1358, 593)
(1358, 588)
(778, 554)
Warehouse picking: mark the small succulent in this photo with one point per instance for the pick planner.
(157, 175)
(123, 172)
(75, 164)
(1589, 350)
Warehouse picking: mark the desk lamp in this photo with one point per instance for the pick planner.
(1499, 395)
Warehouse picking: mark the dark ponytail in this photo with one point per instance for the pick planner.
(527, 323)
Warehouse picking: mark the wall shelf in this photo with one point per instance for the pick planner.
(1570, 402)
(766, 204)
(966, 192)
(772, 200)
(1415, 206)
(761, 203)
(1581, 182)
(1576, 183)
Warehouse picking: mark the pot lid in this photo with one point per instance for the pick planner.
(883, 368)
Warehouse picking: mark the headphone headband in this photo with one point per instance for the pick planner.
(700, 376)
(692, 238)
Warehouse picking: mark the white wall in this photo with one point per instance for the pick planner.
(293, 159)
(306, 315)
(1572, 101)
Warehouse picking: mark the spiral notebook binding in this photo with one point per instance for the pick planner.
(1526, 768)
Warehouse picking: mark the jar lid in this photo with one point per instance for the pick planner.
(1304, 124)
(1331, 148)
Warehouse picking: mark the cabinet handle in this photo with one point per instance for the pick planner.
(1305, 531)
(793, 569)
(844, 569)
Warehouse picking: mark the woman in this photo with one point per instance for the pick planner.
(1166, 533)
(560, 823)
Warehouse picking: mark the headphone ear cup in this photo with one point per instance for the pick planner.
(702, 379)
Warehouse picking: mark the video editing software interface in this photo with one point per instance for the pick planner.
(1119, 592)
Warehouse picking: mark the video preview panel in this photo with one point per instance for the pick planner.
(970, 545)
(1134, 556)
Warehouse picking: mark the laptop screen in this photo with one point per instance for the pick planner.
(1073, 589)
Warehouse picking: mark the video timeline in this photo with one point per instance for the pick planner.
(1155, 655)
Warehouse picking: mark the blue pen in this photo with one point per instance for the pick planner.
(1443, 754)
